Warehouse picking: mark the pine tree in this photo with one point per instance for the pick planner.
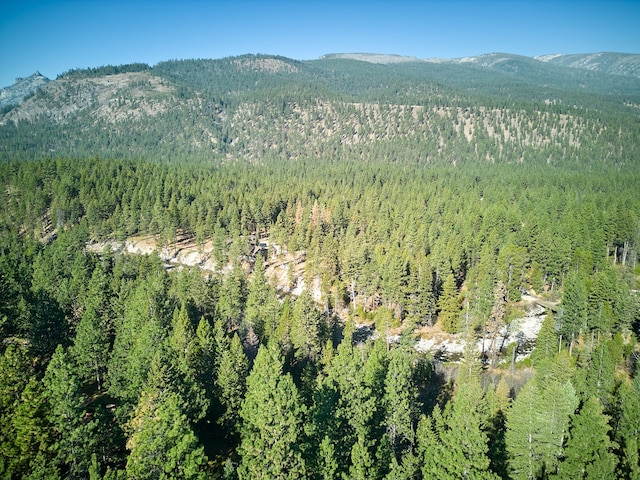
(91, 346)
(454, 444)
(328, 465)
(589, 451)
(306, 327)
(231, 377)
(400, 401)
(420, 301)
(232, 298)
(448, 305)
(524, 459)
(16, 369)
(75, 441)
(362, 462)
(181, 341)
(498, 403)
(258, 295)
(272, 416)
(574, 302)
(137, 337)
(32, 429)
(161, 442)
(628, 431)
(600, 372)
(538, 421)
(42, 468)
(204, 357)
(547, 340)
(91, 342)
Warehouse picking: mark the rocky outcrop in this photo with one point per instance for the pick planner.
(21, 88)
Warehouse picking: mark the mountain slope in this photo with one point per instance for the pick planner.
(603, 62)
(492, 108)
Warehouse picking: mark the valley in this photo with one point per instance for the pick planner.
(360, 266)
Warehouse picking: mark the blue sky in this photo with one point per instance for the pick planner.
(55, 36)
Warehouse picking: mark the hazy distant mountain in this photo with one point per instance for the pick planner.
(254, 107)
(604, 62)
(371, 57)
(22, 87)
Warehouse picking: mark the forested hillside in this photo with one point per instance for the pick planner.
(410, 200)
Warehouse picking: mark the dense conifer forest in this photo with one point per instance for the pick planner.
(398, 202)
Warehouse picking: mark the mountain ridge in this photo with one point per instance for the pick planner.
(613, 63)
(253, 107)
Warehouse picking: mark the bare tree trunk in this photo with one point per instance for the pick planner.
(625, 251)
(353, 295)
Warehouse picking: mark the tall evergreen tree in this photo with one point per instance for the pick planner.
(137, 336)
(306, 327)
(231, 379)
(161, 443)
(538, 421)
(74, 440)
(546, 341)
(574, 302)
(231, 303)
(589, 450)
(16, 369)
(91, 342)
(448, 305)
(204, 357)
(327, 465)
(272, 416)
(599, 373)
(32, 429)
(628, 429)
(455, 441)
(258, 297)
(400, 400)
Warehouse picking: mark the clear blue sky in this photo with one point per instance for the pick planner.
(55, 36)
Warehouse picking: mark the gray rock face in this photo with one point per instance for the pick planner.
(21, 88)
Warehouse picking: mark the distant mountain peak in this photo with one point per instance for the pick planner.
(22, 87)
(380, 58)
(34, 76)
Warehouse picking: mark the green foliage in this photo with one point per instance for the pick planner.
(400, 401)
(589, 450)
(272, 414)
(232, 297)
(574, 301)
(538, 421)
(161, 441)
(137, 336)
(628, 429)
(231, 376)
(258, 295)
(449, 448)
(91, 343)
(73, 442)
(16, 370)
(547, 340)
(406, 192)
(599, 374)
(307, 330)
(449, 316)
